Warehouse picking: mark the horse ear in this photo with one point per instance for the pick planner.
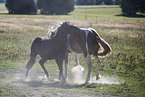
(67, 23)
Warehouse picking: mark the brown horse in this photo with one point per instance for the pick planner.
(89, 44)
(54, 48)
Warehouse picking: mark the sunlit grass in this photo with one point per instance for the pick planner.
(2, 7)
(84, 12)
(124, 34)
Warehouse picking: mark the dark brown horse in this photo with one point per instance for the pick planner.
(54, 48)
(89, 44)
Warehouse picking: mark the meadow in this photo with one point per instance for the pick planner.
(126, 65)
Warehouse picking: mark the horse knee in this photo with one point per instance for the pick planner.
(90, 65)
(88, 59)
(41, 62)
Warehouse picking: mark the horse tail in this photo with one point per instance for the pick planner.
(106, 47)
(33, 54)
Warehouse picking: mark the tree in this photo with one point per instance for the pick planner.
(91, 2)
(131, 7)
(98, 2)
(140, 6)
(55, 6)
(117, 2)
(21, 6)
(128, 7)
(108, 2)
(45, 6)
(85, 2)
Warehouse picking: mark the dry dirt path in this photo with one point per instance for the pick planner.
(13, 83)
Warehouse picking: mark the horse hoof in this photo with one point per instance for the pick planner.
(63, 82)
(98, 77)
(26, 76)
(87, 82)
(56, 80)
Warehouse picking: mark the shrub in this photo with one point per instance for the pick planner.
(86, 2)
(21, 7)
(131, 7)
(55, 6)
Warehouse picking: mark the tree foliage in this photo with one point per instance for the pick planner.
(97, 2)
(131, 7)
(21, 6)
(55, 6)
(108, 2)
(85, 2)
(117, 2)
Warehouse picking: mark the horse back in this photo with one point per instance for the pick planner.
(85, 43)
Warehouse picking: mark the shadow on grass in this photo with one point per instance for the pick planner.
(4, 14)
(51, 84)
(136, 16)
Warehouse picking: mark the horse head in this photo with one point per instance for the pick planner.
(67, 28)
(65, 24)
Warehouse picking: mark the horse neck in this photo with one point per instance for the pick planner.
(60, 37)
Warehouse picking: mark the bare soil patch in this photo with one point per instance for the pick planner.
(36, 85)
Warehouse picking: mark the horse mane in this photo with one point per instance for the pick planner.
(66, 23)
(52, 29)
(52, 32)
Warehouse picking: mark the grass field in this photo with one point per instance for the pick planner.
(126, 65)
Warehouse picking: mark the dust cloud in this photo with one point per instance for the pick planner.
(78, 77)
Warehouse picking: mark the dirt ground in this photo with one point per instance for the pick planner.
(13, 83)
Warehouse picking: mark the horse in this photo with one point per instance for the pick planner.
(54, 48)
(89, 44)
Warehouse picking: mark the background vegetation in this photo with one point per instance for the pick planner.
(124, 34)
(129, 7)
(55, 6)
(21, 7)
(45, 6)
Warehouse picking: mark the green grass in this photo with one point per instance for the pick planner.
(102, 12)
(124, 34)
(2, 7)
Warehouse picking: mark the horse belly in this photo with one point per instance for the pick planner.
(77, 43)
(75, 48)
(46, 55)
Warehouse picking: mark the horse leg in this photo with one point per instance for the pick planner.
(98, 66)
(66, 67)
(31, 62)
(88, 60)
(42, 61)
(76, 59)
(61, 76)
